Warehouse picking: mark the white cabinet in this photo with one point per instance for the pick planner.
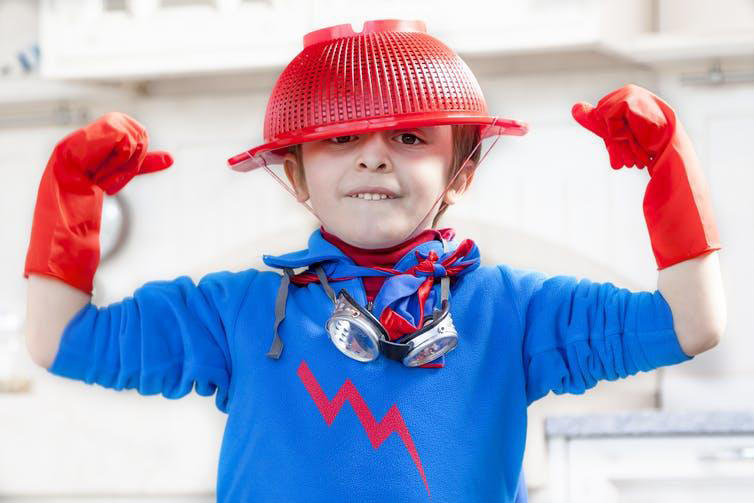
(148, 39)
(703, 17)
(679, 458)
(695, 30)
(101, 40)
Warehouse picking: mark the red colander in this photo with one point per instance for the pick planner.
(391, 75)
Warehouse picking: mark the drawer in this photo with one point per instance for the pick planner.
(652, 469)
(649, 457)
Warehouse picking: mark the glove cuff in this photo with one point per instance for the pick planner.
(677, 206)
(65, 232)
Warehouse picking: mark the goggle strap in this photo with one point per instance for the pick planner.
(277, 343)
(444, 288)
(444, 285)
(325, 284)
(394, 350)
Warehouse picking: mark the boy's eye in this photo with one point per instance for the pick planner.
(337, 139)
(409, 135)
(411, 139)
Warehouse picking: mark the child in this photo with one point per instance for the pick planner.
(465, 348)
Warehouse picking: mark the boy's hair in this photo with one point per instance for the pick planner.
(465, 138)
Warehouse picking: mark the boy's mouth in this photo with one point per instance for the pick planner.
(367, 196)
(371, 193)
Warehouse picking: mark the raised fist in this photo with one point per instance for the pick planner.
(102, 156)
(635, 124)
(108, 153)
(639, 129)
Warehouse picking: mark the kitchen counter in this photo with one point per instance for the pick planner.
(651, 422)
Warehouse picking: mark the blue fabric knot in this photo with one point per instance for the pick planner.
(438, 271)
(431, 259)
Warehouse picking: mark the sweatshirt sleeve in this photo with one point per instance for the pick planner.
(577, 332)
(167, 338)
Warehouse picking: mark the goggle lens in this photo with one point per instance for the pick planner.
(352, 340)
(431, 352)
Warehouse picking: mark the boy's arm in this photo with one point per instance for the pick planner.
(640, 129)
(169, 337)
(694, 290)
(50, 305)
(577, 332)
(63, 252)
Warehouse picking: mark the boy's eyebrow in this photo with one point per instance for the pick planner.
(425, 130)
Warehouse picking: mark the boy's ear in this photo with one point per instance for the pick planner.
(461, 183)
(295, 173)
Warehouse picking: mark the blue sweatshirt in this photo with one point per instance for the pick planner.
(315, 425)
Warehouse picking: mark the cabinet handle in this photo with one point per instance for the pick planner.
(729, 454)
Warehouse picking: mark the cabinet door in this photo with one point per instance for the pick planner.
(661, 469)
(147, 39)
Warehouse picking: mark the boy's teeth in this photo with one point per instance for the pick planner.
(371, 197)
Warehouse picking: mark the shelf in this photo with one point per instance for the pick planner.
(658, 49)
(33, 90)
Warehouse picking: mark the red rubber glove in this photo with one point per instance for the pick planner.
(103, 155)
(640, 129)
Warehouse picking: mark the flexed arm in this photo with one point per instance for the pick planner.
(63, 252)
(640, 129)
(169, 337)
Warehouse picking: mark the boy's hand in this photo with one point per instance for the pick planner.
(108, 153)
(640, 129)
(102, 156)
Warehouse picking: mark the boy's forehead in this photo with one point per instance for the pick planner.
(425, 129)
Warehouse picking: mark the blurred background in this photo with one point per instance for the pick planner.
(197, 75)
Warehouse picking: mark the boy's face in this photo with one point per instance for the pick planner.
(411, 165)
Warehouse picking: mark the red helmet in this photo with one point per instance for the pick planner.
(390, 75)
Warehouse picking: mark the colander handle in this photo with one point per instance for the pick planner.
(374, 26)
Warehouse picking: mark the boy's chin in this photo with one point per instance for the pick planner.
(373, 237)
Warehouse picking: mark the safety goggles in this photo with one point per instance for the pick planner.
(358, 334)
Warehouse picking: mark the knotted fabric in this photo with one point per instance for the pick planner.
(407, 294)
(384, 257)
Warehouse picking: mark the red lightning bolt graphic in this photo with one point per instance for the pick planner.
(376, 431)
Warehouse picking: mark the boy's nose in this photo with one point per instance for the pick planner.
(373, 154)
(375, 164)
